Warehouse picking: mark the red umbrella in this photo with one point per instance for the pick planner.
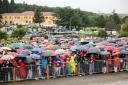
(110, 48)
(1, 60)
(106, 43)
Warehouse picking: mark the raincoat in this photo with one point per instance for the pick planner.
(72, 63)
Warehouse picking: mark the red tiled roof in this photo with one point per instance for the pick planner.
(28, 13)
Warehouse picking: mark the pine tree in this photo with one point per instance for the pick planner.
(38, 17)
(5, 6)
(1, 6)
(12, 6)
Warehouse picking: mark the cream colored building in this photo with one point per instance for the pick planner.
(26, 18)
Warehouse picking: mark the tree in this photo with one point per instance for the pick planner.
(116, 18)
(102, 33)
(125, 26)
(101, 21)
(19, 32)
(64, 16)
(76, 20)
(1, 19)
(5, 6)
(12, 6)
(38, 17)
(1, 6)
(124, 19)
(3, 35)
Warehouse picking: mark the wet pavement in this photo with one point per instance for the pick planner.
(97, 79)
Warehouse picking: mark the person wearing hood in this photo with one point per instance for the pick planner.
(44, 63)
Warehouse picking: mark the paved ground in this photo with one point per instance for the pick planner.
(97, 79)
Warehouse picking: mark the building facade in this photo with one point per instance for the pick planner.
(26, 18)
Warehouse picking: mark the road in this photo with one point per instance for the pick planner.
(97, 79)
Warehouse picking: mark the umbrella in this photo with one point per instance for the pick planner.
(104, 52)
(14, 45)
(1, 60)
(21, 56)
(6, 48)
(106, 43)
(60, 51)
(29, 59)
(124, 52)
(36, 49)
(94, 50)
(1, 50)
(12, 53)
(110, 48)
(84, 48)
(25, 52)
(35, 56)
(73, 48)
(49, 53)
(8, 57)
(1, 55)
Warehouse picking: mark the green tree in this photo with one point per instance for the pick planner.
(3, 35)
(124, 27)
(12, 6)
(124, 19)
(64, 16)
(1, 6)
(5, 6)
(0, 20)
(76, 20)
(102, 33)
(101, 21)
(38, 17)
(19, 32)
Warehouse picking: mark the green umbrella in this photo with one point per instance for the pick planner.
(1, 56)
(14, 45)
(104, 53)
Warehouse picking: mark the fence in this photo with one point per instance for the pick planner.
(8, 74)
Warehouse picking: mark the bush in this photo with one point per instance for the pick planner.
(72, 35)
(44, 35)
(123, 34)
(19, 32)
(102, 33)
(3, 35)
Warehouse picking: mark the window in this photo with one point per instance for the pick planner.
(26, 21)
(5, 17)
(10, 17)
(10, 22)
(6, 22)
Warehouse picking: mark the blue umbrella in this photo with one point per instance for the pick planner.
(26, 52)
(124, 52)
(36, 49)
(20, 56)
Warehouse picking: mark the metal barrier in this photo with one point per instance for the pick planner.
(8, 74)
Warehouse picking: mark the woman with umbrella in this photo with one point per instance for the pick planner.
(91, 64)
(22, 69)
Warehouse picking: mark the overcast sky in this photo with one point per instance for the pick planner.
(102, 6)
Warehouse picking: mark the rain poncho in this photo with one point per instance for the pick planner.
(68, 66)
(72, 63)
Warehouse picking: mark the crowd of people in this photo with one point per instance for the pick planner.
(75, 60)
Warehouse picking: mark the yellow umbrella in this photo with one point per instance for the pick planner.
(6, 48)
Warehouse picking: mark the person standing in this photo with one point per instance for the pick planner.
(91, 64)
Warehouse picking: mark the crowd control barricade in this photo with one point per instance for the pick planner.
(29, 72)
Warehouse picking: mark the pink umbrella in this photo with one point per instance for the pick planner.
(106, 43)
(12, 53)
(110, 48)
(8, 57)
(19, 50)
(1, 60)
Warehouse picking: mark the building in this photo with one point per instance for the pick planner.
(26, 18)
